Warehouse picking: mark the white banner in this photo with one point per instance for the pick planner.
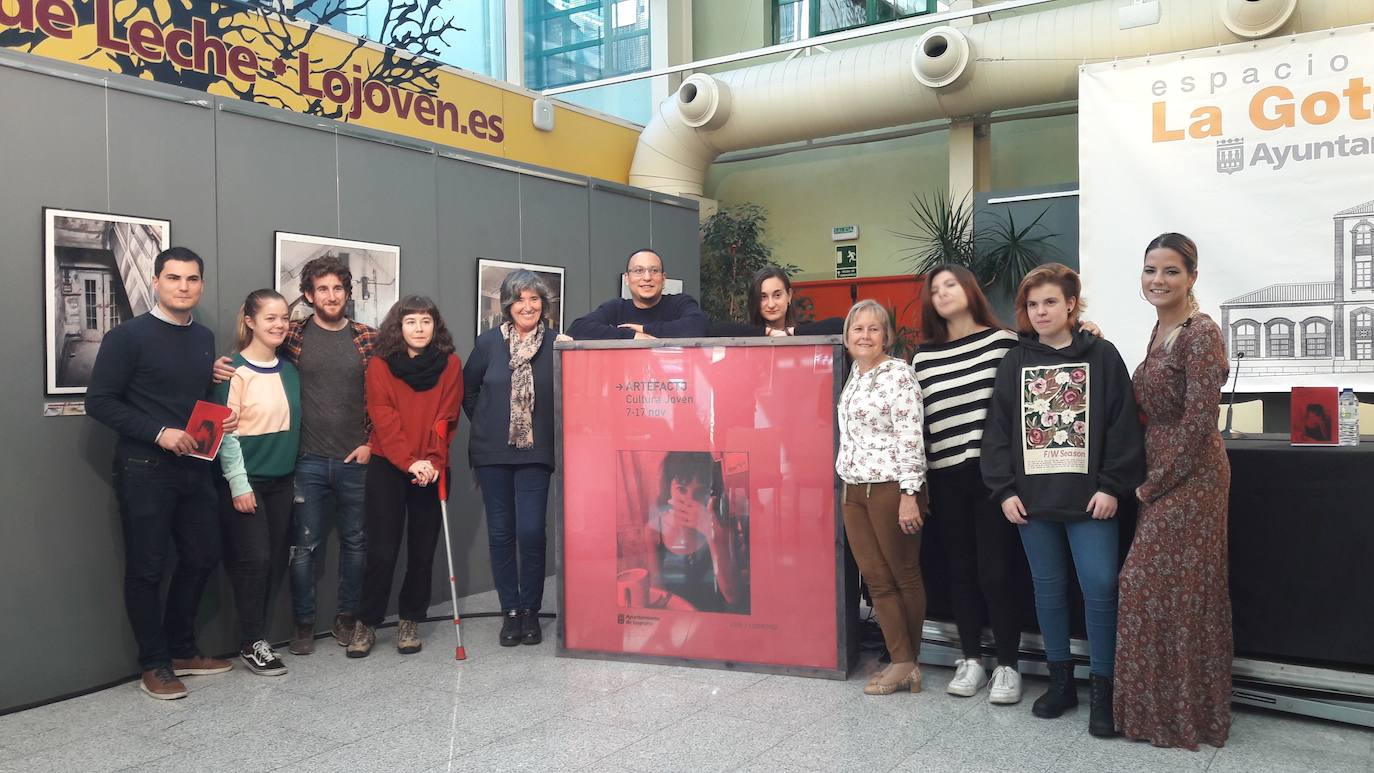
(1262, 154)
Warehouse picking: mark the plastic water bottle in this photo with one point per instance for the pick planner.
(1350, 417)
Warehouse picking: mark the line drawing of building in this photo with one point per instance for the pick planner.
(1312, 327)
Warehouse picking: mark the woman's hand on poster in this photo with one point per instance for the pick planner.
(423, 473)
(909, 516)
(1102, 506)
(563, 337)
(246, 503)
(1014, 510)
(221, 371)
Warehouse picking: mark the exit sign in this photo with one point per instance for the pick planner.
(847, 261)
(844, 233)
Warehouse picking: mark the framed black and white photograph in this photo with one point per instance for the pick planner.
(376, 270)
(490, 274)
(98, 272)
(670, 287)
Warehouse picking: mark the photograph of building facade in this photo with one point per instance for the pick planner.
(1313, 327)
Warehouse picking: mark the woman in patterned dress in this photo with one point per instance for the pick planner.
(882, 463)
(1173, 673)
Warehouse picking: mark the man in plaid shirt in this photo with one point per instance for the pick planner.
(331, 352)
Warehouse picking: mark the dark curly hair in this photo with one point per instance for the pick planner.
(323, 266)
(389, 338)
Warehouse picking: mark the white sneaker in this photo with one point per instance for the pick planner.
(969, 677)
(1006, 686)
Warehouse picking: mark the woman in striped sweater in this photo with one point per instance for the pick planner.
(955, 369)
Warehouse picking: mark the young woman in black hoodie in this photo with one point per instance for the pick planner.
(1062, 444)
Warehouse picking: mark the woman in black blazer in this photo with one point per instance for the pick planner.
(508, 397)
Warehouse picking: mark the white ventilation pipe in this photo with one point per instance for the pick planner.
(1005, 63)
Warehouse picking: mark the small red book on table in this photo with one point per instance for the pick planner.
(206, 427)
(1314, 416)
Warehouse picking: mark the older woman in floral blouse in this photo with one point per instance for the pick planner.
(882, 463)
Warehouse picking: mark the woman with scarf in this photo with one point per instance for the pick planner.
(414, 388)
(508, 397)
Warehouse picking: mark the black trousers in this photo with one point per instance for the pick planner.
(165, 501)
(983, 551)
(255, 549)
(396, 506)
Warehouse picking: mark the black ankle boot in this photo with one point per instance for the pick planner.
(510, 628)
(1062, 694)
(529, 627)
(1100, 722)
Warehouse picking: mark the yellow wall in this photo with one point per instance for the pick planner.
(269, 60)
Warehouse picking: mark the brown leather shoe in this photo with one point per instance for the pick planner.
(344, 624)
(200, 665)
(303, 640)
(162, 684)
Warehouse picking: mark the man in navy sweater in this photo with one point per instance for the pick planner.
(148, 375)
(648, 313)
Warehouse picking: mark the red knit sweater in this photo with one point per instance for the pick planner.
(403, 420)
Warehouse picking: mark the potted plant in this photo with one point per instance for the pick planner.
(732, 251)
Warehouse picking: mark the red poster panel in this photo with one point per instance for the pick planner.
(699, 513)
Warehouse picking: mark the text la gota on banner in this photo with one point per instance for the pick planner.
(1263, 153)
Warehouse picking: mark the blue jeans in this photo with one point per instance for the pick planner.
(165, 501)
(1093, 546)
(324, 485)
(516, 497)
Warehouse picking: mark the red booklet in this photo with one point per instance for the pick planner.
(1314, 417)
(206, 427)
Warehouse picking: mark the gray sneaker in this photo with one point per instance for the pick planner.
(408, 637)
(363, 639)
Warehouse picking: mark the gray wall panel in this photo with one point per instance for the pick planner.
(619, 224)
(676, 235)
(475, 206)
(554, 231)
(227, 179)
(271, 177)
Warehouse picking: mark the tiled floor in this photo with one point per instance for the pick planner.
(523, 709)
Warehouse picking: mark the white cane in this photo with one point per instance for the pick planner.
(441, 427)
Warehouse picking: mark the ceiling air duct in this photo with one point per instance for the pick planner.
(1009, 62)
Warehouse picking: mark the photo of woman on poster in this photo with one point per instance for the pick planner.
(687, 549)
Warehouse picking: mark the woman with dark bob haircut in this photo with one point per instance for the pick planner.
(508, 397)
(414, 389)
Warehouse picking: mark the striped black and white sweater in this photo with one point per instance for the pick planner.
(956, 380)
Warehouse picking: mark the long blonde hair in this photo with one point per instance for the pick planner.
(243, 335)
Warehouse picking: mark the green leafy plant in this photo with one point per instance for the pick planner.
(732, 251)
(942, 233)
(1007, 253)
(999, 255)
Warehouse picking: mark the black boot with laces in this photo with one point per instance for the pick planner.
(510, 628)
(1062, 694)
(1100, 722)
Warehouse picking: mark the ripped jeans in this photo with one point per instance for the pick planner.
(325, 486)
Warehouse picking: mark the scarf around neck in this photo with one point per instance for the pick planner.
(420, 372)
(522, 383)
